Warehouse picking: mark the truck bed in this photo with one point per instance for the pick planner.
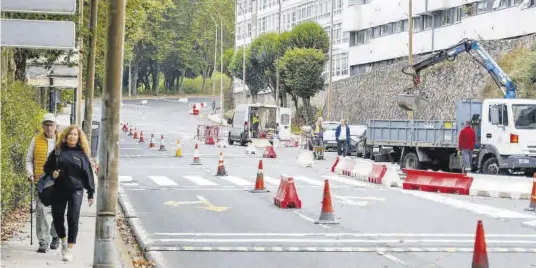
(414, 133)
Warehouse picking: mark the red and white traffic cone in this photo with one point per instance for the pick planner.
(221, 167)
(135, 134)
(259, 182)
(142, 139)
(162, 146)
(196, 161)
(152, 145)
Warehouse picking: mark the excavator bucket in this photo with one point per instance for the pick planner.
(412, 101)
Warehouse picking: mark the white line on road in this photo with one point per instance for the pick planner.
(391, 257)
(125, 179)
(530, 223)
(342, 241)
(308, 180)
(497, 213)
(272, 180)
(344, 234)
(162, 180)
(348, 181)
(309, 219)
(236, 180)
(199, 180)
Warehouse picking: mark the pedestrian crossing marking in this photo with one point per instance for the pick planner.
(308, 180)
(271, 180)
(198, 180)
(162, 180)
(125, 178)
(348, 181)
(236, 180)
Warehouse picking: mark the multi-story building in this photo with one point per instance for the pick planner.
(255, 17)
(379, 28)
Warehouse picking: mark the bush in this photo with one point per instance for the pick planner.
(21, 116)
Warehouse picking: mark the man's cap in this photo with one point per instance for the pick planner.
(49, 118)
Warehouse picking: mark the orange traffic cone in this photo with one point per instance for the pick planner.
(480, 255)
(130, 132)
(221, 167)
(259, 183)
(124, 127)
(326, 215)
(196, 161)
(162, 146)
(532, 202)
(135, 134)
(152, 145)
(142, 139)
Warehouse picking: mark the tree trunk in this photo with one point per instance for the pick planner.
(135, 76)
(307, 110)
(21, 55)
(156, 79)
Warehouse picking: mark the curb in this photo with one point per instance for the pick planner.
(139, 232)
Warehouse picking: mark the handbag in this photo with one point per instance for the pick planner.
(45, 185)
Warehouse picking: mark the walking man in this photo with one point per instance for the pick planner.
(213, 107)
(466, 145)
(342, 135)
(40, 148)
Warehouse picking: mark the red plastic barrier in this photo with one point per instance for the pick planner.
(378, 171)
(335, 164)
(432, 181)
(287, 196)
(269, 152)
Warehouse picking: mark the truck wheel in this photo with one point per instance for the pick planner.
(229, 139)
(411, 161)
(491, 166)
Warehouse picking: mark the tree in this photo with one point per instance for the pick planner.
(302, 68)
(309, 34)
(253, 77)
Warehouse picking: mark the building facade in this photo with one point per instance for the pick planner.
(378, 29)
(256, 17)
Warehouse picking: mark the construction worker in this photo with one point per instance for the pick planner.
(40, 148)
(343, 138)
(466, 145)
(255, 122)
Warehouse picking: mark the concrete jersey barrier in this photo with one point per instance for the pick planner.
(501, 186)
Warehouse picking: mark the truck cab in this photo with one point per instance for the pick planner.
(508, 136)
(271, 121)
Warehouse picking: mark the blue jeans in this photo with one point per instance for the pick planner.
(342, 148)
(467, 158)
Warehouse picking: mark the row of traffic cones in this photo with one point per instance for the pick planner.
(141, 137)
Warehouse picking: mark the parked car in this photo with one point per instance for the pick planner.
(330, 142)
(356, 133)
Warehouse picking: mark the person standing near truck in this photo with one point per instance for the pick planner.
(343, 138)
(466, 145)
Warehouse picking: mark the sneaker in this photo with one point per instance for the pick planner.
(63, 248)
(43, 248)
(68, 254)
(55, 243)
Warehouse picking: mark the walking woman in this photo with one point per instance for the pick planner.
(71, 169)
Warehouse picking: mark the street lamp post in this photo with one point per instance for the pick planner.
(277, 58)
(243, 51)
(330, 59)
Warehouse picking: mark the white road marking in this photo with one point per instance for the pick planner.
(348, 181)
(391, 257)
(199, 180)
(470, 235)
(348, 201)
(342, 241)
(309, 219)
(125, 179)
(236, 180)
(308, 180)
(162, 180)
(272, 180)
(530, 223)
(497, 213)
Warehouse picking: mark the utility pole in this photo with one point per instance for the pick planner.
(410, 42)
(277, 58)
(330, 59)
(80, 64)
(129, 78)
(215, 57)
(104, 251)
(221, 70)
(244, 51)
(90, 80)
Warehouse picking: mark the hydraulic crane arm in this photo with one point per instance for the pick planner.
(481, 56)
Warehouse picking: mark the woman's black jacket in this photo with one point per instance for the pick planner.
(75, 170)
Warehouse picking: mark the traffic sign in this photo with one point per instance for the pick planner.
(63, 7)
(63, 76)
(38, 34)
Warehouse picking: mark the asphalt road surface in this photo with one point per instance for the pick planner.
(192, 218)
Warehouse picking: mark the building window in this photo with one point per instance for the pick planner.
(469, 10)
(359, 37)
(482, 7)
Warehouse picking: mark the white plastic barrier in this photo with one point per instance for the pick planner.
(344, 164)
(305, 158)
(500, 186)
(392, 177)
(183, 100)
(362, 169)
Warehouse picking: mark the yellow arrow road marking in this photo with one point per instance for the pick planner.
(201, 200)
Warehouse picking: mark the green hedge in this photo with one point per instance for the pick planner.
(21, 116)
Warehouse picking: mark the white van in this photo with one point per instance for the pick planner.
(270, 120)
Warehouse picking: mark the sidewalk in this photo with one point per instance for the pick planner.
(18, 253)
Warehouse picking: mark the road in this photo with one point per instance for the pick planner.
(188, 217)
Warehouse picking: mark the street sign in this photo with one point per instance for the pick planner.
(63, 76)
(38, 34)
(63, 7)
